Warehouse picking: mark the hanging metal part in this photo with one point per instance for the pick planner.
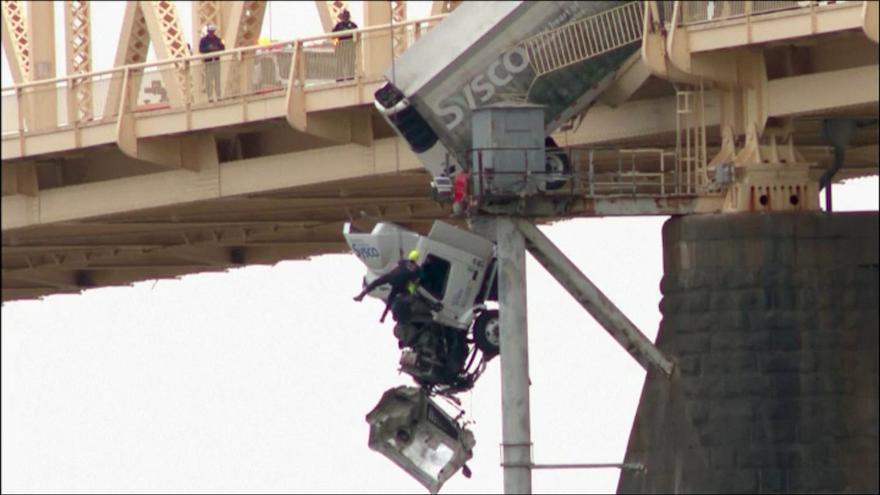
(593, 300)
(838, 132)
(410, 429)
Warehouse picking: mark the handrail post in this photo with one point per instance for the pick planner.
(590, 177)
(20, 116)
(662, 175)
(358, 62)
(70, 98)
(243, 74)
(301, 54)
(123, 100)
(188, 98)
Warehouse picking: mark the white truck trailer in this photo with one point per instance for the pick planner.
(557, 54)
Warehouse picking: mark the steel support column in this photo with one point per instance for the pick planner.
(42, 104)
(78, 33)
(378, 45)
(516, 426)
(134, 42)
(165, 31)
(591, 298)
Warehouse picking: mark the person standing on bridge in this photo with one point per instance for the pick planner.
(344, 47)
(210, 43)
(460, 193)
(403, 278)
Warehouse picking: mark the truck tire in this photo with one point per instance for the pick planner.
(487, 333)
(557, 164)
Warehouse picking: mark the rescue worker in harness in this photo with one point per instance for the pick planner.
(402, 279)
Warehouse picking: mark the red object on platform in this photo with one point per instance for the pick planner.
(460, 186)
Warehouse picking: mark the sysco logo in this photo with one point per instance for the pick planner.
(483, 87)
(364, 252)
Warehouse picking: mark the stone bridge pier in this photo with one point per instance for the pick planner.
(772, 320)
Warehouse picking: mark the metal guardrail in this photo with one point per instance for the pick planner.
(598, 172)
(585, 38)
(719, 10)
(183, 83)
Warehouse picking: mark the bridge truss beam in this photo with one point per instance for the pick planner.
(15, 40)
(328, 11)
(77, 30)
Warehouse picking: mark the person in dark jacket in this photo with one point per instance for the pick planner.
(402, 279)
(344, 47)
(345, 24)
(210, 43)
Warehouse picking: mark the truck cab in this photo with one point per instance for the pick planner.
(458, 267)
(446, 323)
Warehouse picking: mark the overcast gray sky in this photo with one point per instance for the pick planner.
(258, 380)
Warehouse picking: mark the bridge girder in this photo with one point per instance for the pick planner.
(245, 22)
(78, 33)
(215, 12)
(15, 40)
(329, 10)
(444, 6)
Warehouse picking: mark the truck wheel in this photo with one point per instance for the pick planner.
(487, 332)
(557, 164)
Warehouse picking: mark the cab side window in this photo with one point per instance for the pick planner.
(435, 274)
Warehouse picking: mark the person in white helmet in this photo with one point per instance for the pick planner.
(209, 43)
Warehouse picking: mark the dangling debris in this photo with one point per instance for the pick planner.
(409, 428)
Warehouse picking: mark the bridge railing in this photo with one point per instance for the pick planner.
(581, 172)
(719, 10)
(205, 79)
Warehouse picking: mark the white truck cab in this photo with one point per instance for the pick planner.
(458, 267)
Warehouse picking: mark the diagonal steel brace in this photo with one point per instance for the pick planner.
(592, 299)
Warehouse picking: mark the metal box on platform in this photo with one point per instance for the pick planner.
(508, 154)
